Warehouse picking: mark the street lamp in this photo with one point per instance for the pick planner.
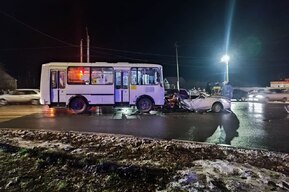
(177, 61)
(225, 59)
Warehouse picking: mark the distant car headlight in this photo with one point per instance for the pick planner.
(250, 96)
(259, 96)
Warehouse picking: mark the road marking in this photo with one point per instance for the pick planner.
(12, 112)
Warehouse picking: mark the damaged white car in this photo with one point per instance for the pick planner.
(207, 103)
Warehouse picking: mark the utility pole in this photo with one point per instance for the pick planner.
(81, 50)
(177, 61)
(87, 51)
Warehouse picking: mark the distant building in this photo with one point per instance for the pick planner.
(7, 81)
(280, 84)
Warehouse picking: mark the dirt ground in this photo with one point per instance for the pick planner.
(71, 161)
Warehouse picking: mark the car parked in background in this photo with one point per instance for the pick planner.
(252, 94)
(31, 96)
(270, 95)
(240, 95)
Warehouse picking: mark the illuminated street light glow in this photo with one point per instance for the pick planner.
(225, 59)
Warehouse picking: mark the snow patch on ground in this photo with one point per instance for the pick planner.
(41, 144)
(191, 166)
(207, 175)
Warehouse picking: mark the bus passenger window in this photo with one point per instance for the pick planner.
(139, 77)
(78, 75)
(61, 79)
(101, 76)
(148, 76)
(53, 79)
(134, 76)
(125, 80)
(118, 80)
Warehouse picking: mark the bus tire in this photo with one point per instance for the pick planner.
(144, 105)
(78, 105)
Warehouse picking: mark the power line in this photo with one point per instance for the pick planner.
(34, 29)
(37, 48)
(94, 47)
(145, 53)
(136, 59)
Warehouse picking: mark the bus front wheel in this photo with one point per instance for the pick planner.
(78, 105)
(144, 105)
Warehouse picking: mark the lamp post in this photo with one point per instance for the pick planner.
(225, 59)
(177, 61)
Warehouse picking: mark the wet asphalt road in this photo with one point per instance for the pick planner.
(250, 125)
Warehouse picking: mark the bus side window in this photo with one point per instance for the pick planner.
(53, 79)
(125, 79)
(134, 76)
(61, 79)
(157, 77)
(78, 75)
(102, 76)
(139, 77)
(118, 80)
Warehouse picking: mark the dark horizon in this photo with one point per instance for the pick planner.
(37, 32)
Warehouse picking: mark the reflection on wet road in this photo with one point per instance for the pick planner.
(250, 125)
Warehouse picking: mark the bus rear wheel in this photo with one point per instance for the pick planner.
(144, 105)
(78, 105)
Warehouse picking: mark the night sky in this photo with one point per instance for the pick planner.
(35, 32)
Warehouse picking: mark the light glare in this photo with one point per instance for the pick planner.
(225, 59)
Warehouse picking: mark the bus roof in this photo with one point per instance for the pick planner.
(105, 64)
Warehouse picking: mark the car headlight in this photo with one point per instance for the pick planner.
(259, 96)
(250, 96)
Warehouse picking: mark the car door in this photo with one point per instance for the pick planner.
(200, 103)
(17, 96)
(25, 96)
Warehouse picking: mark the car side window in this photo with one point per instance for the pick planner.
(19, 93)
(15, 93)
(26, 92)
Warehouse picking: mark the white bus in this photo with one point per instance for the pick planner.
(81, 85)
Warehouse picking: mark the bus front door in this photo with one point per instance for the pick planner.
(121, 87)
(57, 87)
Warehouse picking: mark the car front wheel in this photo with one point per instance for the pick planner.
(3, 102)
(35, 102)
(217, 107)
